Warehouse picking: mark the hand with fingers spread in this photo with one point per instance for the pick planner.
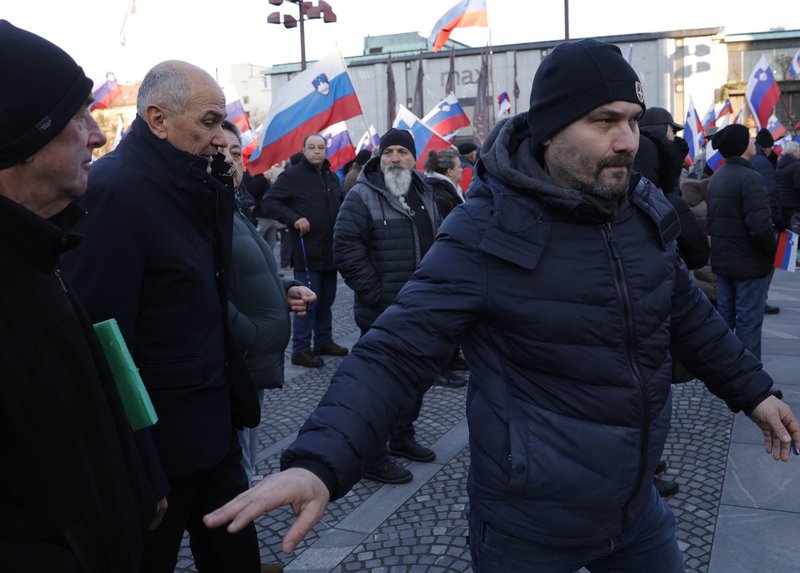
(779, 425)
(298, 487)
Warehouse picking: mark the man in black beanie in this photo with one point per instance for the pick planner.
(468, 154)
(74, 490)
(385, 226)
(561, 280)
(742, 238)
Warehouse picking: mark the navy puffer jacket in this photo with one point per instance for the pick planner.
(376, 245)
(568, 313)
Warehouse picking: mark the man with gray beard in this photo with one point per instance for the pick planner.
(384, 228)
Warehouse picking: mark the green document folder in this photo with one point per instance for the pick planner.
(135, 399)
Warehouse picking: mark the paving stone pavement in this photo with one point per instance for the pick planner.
(421, 527)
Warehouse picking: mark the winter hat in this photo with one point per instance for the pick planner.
(467, 148)
(764, 138)
(574, 79)
(732, 140)
(44, 88)
(656, 120)
(399, 137)
(362, 157)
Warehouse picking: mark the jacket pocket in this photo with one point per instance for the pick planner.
(571, 462)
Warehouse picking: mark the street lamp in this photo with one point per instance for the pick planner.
(307, 12)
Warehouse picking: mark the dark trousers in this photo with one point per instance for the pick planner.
(320, 319)
(214, 550)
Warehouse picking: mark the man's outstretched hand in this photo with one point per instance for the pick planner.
(297, 487)
(779, 425)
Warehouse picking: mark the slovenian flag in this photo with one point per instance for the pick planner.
(709, 118)
(312, 100)
(786, 255)
(237, 116)
(724, 113)
(447, 117)
(339, 145)
(794, 66)
(463, 15)
(503, 105)
(762, 92)
(106, 93)
(714, 159)
(369, 140)
(425, 139)
(776, 128)
(693, 131)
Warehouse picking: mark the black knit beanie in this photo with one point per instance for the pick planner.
(574, 79)
(399, 137)
(732, 140)
(764, 138)
(44, 88)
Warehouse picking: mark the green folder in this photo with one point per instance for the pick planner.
(135, 399)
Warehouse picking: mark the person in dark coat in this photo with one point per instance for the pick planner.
(468, 153)
(386, 225)
(306, 198)
(788, 178)
(442, 174)
(561, 278)
(157, 258)
(358, 164)
(260, 302)
(742, 239)
(75, 490)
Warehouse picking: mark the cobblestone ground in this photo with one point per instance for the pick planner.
(428, 533)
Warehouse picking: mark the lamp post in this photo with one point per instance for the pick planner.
(307, 12)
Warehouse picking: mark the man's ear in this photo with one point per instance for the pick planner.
(156, 119)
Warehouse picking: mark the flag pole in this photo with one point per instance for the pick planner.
(491, 82)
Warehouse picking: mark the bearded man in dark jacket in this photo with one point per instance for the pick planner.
(561, 279)
(386, 225)
(742, 237)
(74, 490)
(306, 198)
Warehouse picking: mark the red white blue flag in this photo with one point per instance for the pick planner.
(106, 93)
(723, 117)
(340, 148)
(425, 139)
(447, 117)
(714, 159)
(693, 131)
(312, 100)
(794, 66)
(786, 255)
(776, 128)
(370, 140)
(503, 105)
(709, 118)
(237, 116)
(463, 15)
(762, 92)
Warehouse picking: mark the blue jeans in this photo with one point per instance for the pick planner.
(741, 303)
(320, 320)
(648, 545)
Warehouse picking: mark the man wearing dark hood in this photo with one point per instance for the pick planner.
(561, 280)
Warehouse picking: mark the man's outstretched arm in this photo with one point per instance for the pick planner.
(297, 487)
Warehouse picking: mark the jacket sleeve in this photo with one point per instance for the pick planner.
(244, 330)
(757, 215)
(703, 342)
(396, 360)
(351, 236)
(692, 242)
(276, 202)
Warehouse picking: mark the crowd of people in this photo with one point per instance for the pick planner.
(559, 270)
